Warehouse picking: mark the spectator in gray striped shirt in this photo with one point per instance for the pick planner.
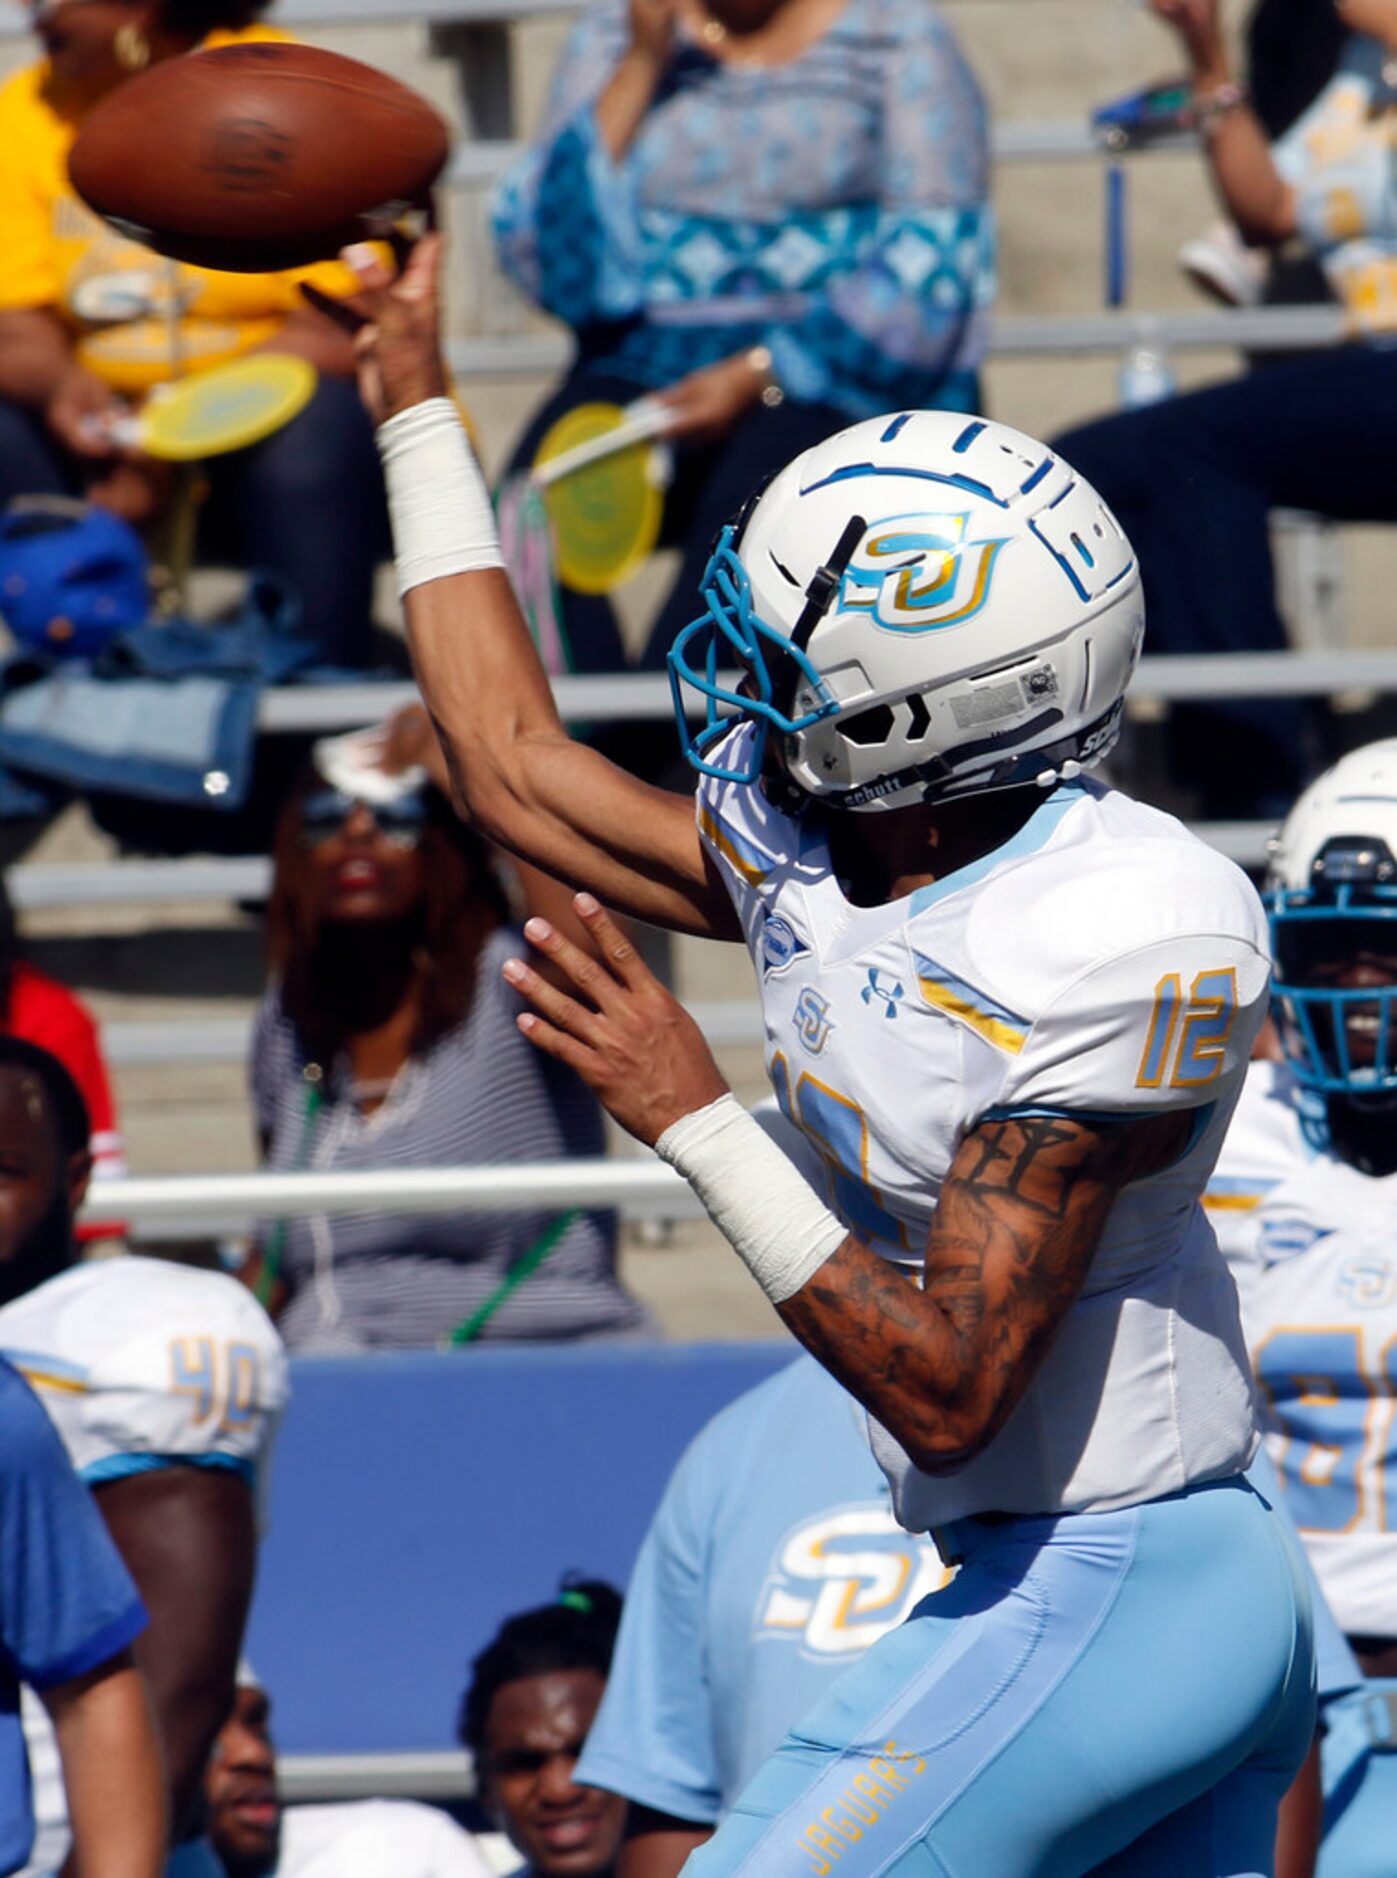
(387, 1039)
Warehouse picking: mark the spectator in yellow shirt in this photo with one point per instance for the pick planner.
(89, 320)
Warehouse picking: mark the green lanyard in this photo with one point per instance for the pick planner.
(542, 1248)
(275, 1248)
(467, 1332)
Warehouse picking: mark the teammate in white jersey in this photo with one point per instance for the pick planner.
(1014, 1010)
(1304, 1200)
(165, 1384)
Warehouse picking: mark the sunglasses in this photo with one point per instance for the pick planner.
(325, 813)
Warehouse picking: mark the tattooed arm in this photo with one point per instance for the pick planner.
(1017, 1223)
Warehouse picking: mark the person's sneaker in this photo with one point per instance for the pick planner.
(1222, 265)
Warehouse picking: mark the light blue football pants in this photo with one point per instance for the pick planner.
(1123, 1693)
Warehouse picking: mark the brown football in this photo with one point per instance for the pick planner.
(256, 157)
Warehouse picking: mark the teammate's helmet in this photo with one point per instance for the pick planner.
(1332, 894)
(924, 606)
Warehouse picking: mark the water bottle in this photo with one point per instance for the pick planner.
(1146, 377)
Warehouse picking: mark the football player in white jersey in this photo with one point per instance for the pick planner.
(1304, 1200)
(1014, 1011)
(166, 1384)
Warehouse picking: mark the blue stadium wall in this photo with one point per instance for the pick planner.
(417, 1500)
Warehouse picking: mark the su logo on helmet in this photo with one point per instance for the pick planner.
(918, 573)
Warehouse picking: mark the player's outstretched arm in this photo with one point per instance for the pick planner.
(111, 1770)
(522, 779)
(188, 1536)
(1016, 1226)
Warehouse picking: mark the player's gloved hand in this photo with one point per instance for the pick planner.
(631, 1042)
(398, 341)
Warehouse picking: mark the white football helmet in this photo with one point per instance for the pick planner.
(1331, 893)
(924, 606)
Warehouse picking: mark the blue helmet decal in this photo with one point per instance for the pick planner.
(771, 671)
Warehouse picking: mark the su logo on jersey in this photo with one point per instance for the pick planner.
(813, 1022)
(845, 1579)
(918, 573)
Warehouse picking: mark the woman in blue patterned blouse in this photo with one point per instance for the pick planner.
(772, 212)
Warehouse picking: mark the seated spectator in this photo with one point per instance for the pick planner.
(166, 1385)
(69, 1614)
(1194, 479)
(255, 1837)
(1292, 49)
(44, 1012)
(532, 1695)
(772, 214)
(388, 1040)
(88, 320)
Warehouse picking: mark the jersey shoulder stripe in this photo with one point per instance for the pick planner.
(745, 859)
(44, 1370)
(944, 991)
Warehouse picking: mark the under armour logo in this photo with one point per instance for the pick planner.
(889, 995)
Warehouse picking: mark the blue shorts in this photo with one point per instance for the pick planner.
(1127, 1693)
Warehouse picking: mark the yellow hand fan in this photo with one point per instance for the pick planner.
(224, 409)
(603, 480)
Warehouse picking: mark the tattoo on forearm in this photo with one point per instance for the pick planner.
(1016, 1224)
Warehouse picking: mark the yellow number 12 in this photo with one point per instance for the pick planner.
(1186, 1044)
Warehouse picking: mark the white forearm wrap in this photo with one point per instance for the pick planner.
(440, 508)
(777, 1224)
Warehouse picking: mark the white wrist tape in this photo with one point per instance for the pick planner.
(443, 522)
(777, 1224)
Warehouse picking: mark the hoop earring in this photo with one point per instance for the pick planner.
(132, 48)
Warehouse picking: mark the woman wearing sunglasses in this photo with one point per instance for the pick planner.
(387, 1040)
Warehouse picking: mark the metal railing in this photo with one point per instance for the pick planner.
(643, 1188)
(426, 1775)
(621, 697)
(1260, 329)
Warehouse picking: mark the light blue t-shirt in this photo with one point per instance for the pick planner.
(772, 1563)
(67, 1603)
